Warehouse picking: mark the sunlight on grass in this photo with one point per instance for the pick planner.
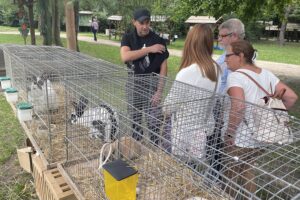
(8, 28)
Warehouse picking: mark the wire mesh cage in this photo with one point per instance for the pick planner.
(37, 72)
(186, 127)
(109, 109)
(175, 134)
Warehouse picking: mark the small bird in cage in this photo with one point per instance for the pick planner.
(102, 121)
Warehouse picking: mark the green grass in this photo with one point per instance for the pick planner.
(105, 52)
(271, 51)
(8, 28)
(11, 133)
(17, 39)
(101, 36)
(15, 184)
(267, 51)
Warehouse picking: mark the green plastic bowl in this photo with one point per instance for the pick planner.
(24, 106)
(11, 90)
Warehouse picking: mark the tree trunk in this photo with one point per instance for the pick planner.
(56, 24)
(76, 15)
(31, 21)
(46, 24)
(283, 25)
(70, 25)
(21, 11)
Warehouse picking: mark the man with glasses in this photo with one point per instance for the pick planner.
(229, 31)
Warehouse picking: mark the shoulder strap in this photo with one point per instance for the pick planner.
(258, 85)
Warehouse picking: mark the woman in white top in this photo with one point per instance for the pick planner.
(198, 70)
(238, 139)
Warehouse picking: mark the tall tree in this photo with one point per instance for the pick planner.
(29, 4)
(247, 10)
(56, 23)
(283, 9)
(21, 12)
(45, 21)
(108, 7)
(70, 25)
(76, 16)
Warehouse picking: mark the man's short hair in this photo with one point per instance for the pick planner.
(234, 25)
(141, 14)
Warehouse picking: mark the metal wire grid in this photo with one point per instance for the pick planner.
(272, 154)
(260, 170)
(28, 66)
(125, 95)
(65, 62)
(203, 150)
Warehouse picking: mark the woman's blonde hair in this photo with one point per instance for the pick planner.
(198, 48)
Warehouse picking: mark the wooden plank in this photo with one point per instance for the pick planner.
(37, 173)
(58, 186)
(24, 156)
(70, 182)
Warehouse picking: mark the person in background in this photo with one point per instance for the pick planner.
(197, 69)
(94, 27)
(238, 141)
(229, 31)
(144, 52)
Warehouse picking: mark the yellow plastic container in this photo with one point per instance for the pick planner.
(120, 180)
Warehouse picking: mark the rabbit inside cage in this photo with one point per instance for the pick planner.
(189, 135)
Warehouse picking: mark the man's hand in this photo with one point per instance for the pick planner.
(157, 48)
(156, 98)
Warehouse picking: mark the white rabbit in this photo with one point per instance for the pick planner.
(102, 120)
(41, 91)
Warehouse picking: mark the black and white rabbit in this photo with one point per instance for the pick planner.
(102, 121)
(40, 91)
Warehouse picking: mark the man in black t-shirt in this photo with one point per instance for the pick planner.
(144, 52)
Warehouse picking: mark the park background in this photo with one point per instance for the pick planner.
(273, 26)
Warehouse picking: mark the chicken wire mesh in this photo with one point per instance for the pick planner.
(37, 72)
(188, 127)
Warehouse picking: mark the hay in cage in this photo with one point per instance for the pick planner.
(160, 175)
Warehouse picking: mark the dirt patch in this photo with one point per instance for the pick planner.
(15, 183)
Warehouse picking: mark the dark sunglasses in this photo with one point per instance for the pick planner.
(230, 54)
(225, 35)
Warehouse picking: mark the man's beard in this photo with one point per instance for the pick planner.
(143, 33)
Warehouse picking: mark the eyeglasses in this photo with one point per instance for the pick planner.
(225, 35)
(230, 54)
